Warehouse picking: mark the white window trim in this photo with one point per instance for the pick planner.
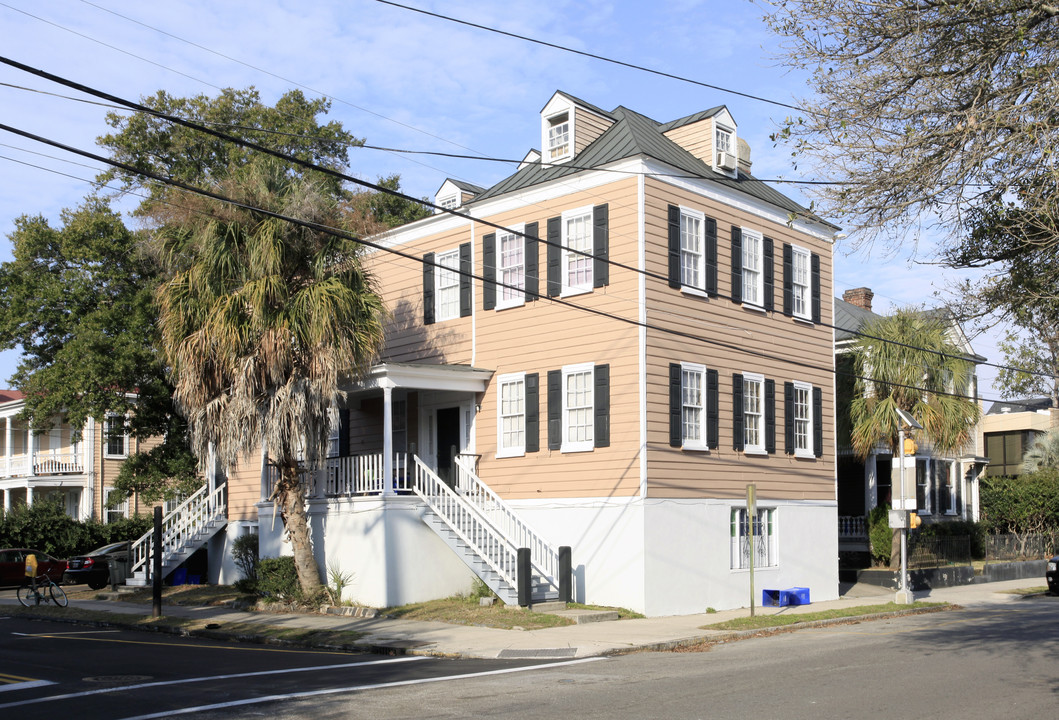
(770, 541)
(702, 444)
(758, 448)
(760, 270)
(546, 157)
(106, 438)
(701, 217)
(807, 452)
(122, 509)
(582, 445)
(928, 485)
(439, 270)
(518, 232)
(448, 202)
(733, 147)
(807, 313)
(566, 254)
(501, 451)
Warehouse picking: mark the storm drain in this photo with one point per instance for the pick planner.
(510, 654)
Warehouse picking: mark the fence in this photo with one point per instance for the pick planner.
(1025, 546)
(929, 552)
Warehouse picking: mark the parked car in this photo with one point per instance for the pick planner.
(13, 566)
(1052, 576)
(94, 568)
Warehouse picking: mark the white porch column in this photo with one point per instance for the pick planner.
(88, 466)
(7, 448)
(31, 453)
(7, 500)
(871, 484)
(29, 495)
(387, 438)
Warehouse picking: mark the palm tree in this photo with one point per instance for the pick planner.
(907, 361)
(1044, 453)
(260, 320)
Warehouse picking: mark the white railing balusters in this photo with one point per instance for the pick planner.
(181, 525)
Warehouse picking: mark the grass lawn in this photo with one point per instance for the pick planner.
(467, 611)
(760, 622)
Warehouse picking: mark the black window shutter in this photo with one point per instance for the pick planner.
(600, 246)
(428, 289)
(818, 422)
(676, 406)
(555, 409)
(713, 414)
(466, 269)
(769, 262)
(737, 266)
(737, 412)
(788, 418)
(555, 239)
(532, 262)
(711, 256)
(674, 246)
(533, 412)
(770, 416)
(601, 399)
(343, 432)
(788, 280)
(816, 287)
(489, 271)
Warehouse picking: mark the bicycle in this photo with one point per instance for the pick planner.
(41, 590)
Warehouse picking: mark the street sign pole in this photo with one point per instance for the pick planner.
(751, 514)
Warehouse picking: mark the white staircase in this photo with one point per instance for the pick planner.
(485, 533)
(184, 530)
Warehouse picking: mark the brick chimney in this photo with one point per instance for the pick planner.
(861, 297)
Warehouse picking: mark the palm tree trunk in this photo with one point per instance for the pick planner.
(291, 497)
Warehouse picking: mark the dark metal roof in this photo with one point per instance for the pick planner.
(631, 135)
(695, 117)
(849, 319)
(582, 103)
(1014, 406)
(466, 186)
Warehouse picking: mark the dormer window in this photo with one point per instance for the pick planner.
(449, 203)
(558, 137)
(724, 149)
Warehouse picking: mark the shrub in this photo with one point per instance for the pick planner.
(244, 553)
(278, 578)
(880, 536)
(1025, 504)
(43, 526)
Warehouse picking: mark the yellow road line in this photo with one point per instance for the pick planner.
(6, 678)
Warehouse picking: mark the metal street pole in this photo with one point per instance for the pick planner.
(904, 596)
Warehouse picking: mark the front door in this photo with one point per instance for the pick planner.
(448, 442)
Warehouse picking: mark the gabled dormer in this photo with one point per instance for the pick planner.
(568, 126)
(455, 193)
(711, 136)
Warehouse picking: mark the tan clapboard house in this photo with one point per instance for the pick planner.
(592, 360)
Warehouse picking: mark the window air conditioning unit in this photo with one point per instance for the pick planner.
(726, 161)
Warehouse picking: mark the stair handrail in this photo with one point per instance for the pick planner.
(467, 522)
(543, 555)
(180, 524)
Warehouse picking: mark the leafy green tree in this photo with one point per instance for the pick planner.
(922, 110)
(260, 320)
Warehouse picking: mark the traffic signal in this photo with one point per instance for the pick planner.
(914, 520)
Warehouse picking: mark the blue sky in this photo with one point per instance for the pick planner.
(405, 80)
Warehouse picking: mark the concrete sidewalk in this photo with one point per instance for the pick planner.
(573, 641)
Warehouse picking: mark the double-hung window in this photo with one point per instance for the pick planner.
(753, 413)
(116, 436)
(447, 285)
(116, 507)
(800, 282)
(753, 265)
(692, 249)
(763, 530)
(693, 405)
(558, 137)
(803, 419)
(511, 267)
(578, 408)
(577, 251)
(511, 422)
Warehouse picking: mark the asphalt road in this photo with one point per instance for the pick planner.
(990, 661)
(61, 670)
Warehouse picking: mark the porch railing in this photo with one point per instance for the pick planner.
(53, 463)
(180, 526)
(364, 475)
(42, 463)
(544, 556)
(852, 526)
(488, 542)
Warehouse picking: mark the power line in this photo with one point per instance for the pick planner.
(317, 227)
(334, 173)
(593, 56)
